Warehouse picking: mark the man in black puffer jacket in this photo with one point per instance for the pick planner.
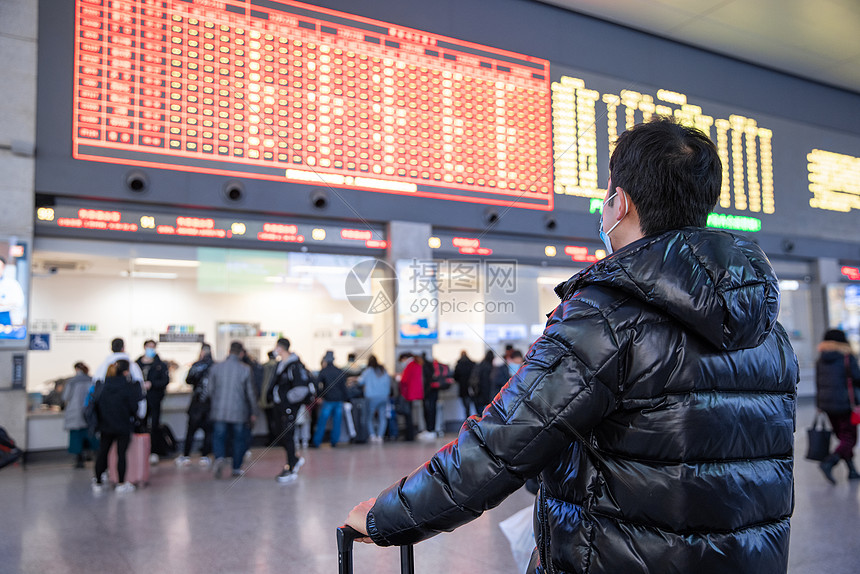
(657, 407)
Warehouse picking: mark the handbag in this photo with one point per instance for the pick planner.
(818, 444)
(855, 410)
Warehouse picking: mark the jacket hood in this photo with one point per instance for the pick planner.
(716, 284)
(833, 350)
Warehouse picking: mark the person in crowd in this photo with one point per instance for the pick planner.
(483, 382)
(431, 398)
(233, 401)
(13, 306)
(331, 388)
(117, 347)
(499, 375)
(290, 390)
(411, 386)
(116, 405)
(257, 379)
(377, 388)
(198, 409)
(837, 373)
(74, 394)
(515, 361)
(462, 374)
(658, 405)
(157, 374)
(264, 402)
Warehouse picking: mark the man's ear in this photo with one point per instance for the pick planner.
(624, 203)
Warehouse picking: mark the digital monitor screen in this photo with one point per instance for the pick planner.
(14, 277)
(292, 92)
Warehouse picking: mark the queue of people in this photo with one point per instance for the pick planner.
(301, 408)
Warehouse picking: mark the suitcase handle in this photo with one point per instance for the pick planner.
(346, 535)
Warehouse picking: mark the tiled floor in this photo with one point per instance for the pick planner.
(186, 522)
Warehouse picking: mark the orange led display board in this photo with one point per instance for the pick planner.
(287, 91)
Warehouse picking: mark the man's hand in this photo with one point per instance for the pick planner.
(147, 385)
(357, 518)
(253, 419)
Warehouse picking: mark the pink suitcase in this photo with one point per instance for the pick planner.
(137, 460)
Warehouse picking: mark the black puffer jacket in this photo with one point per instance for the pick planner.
(831, 378)
(658, 409)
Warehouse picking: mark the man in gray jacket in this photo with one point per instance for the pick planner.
(233, 400)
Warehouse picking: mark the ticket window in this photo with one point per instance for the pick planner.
(85, 293)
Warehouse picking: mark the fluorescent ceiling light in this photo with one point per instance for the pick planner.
(148, 275)
(320, 269)
(551, 280)
(165, 262)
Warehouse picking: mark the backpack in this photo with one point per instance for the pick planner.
(9, 451)
(298, 388)
(441, 377)
(91, 406)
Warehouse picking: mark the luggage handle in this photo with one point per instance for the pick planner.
(346, 535)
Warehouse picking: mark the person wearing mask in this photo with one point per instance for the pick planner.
(462, 375)
(377, 388)
(116, 405)
(657, 406)
(291, 389)
(837, 373)
(411, 386)
(157, 376)
(232, 394)
(198, 409)
(333, 392)
(515, 361)
(74, 394)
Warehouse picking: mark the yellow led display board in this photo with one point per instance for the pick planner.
(834, 180)
(579, 112)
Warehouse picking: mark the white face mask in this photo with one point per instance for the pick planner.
(604, 235)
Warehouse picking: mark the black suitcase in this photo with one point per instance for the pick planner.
(346, 535)
(359, 419)
(164, 441)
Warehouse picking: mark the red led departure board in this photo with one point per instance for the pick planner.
(282, 90)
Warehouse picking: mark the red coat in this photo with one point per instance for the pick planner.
(412, 382)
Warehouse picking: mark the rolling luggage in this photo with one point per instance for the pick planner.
(347, 535)
(359, 418)
(137, 461)
(163, 441)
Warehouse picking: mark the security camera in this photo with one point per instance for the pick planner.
(234, 190)
(136, 181)
(491, 216)
(319, 198)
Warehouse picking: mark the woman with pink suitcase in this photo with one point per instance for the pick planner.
(116, 404)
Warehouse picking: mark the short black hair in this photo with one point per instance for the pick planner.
(283, 343)
(672, 174)
(117, 345)
(148, 341)
(236, 348)
(206, 348)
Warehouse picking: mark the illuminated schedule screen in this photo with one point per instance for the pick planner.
(291, 92)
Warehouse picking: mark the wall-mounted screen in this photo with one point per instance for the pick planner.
(14, 279)
(291, 92)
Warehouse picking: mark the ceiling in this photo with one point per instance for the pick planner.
(814, 39)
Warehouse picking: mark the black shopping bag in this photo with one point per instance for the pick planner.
(819, 439)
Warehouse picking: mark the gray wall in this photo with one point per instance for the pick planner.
(18, 23)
